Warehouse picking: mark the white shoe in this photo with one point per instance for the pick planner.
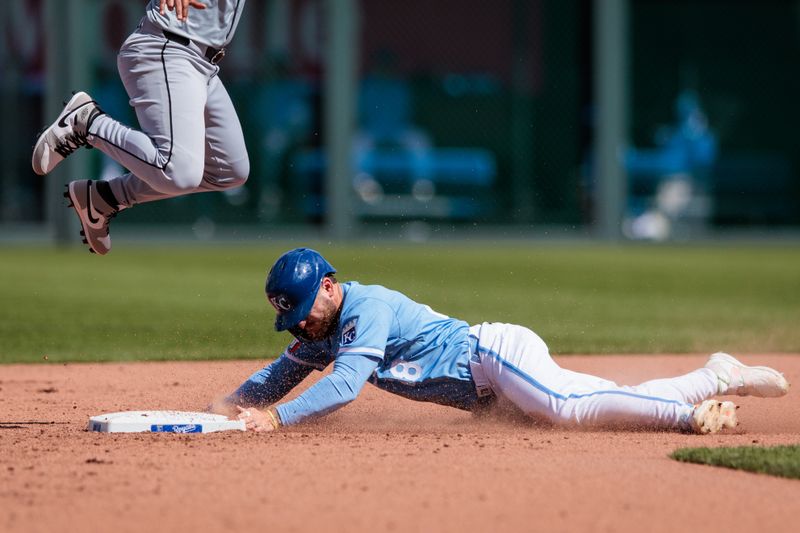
(711, 416)
(733, 377)
(66, 134)
(94, 213)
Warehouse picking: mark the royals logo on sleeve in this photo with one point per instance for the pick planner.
(349, 331)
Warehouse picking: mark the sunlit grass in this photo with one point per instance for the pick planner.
(782, 461)
(208, 302)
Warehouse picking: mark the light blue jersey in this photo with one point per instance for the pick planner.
(383, 337)
(213, 26)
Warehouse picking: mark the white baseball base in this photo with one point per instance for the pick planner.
(163, 422)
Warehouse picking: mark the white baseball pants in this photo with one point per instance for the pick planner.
(518, 366)
(190, 139)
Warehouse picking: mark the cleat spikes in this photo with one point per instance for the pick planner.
(93, 232)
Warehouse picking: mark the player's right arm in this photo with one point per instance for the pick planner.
(181, 7)
(361, 348)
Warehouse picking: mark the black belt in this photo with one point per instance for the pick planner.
(214, 55)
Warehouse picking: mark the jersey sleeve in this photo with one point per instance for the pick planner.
(335, 390)
(365, 329)
(272, 382)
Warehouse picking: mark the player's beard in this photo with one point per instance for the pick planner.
(327, 326)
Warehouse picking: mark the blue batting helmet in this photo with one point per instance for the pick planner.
(292, 285)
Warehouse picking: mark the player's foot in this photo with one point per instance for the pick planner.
(733, 377)
(711, 416)
(66, 134)
(95, 206)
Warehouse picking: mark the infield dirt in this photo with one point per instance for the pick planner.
(380, 464)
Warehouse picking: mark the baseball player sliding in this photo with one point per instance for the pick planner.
(371, 333)
(190, 139)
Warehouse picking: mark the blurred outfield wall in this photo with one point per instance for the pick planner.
(469, 113)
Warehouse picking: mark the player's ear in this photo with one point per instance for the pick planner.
(327, 284)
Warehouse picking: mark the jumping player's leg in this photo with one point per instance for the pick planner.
(190, 138)
(519, 367)
(225, 160)
(167, 85)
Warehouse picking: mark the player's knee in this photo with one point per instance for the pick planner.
(185, 172)
(240, 171)
(233, 175)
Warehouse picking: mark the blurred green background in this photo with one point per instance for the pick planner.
(208, 302)
(466, 113)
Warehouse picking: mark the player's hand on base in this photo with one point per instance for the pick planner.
(181, 7)
(255, 420)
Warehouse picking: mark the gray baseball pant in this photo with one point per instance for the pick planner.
(190, 139)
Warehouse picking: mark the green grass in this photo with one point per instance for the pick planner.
(782, 461)
(208, 302)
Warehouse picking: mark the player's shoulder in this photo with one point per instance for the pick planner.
(356, 290)
(358, 296)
